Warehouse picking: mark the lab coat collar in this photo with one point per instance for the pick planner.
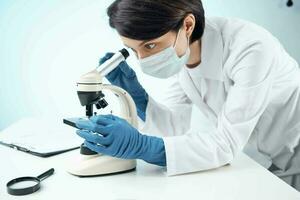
(211, 66)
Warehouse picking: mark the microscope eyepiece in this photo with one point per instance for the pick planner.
(124, 52)
(113, 62)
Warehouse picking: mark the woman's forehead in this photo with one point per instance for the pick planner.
(136, 43)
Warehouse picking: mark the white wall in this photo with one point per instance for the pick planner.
(274, 15)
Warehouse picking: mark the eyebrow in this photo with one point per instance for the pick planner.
(142, 43)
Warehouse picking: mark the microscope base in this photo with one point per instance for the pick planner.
(97, 165)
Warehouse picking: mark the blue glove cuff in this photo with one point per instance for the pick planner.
(154, 152)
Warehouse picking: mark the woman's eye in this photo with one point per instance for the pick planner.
(150, 46)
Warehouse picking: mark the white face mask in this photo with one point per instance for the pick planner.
(165, 63)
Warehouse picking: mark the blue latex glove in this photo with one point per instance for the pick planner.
(114, 136)
(125, 77)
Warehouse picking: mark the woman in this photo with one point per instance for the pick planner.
(234, 71)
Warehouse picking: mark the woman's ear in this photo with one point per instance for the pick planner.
(189, 24)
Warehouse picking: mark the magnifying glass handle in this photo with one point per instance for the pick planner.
(46, 174)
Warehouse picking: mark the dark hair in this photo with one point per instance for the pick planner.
(149, 19)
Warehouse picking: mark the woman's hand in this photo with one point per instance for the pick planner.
(114, 136)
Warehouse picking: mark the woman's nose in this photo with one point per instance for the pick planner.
(141, 55)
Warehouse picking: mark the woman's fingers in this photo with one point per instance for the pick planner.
(91, 126)
(94, 137)
(103, 120)
(95, 147)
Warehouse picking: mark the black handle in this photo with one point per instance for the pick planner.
(46, 174)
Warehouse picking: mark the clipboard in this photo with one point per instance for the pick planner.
(40, 137)
(43, 155)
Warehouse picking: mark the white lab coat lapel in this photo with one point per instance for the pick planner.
(193, 93)
(211, 67)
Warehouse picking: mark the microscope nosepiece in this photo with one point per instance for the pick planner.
(87, 98)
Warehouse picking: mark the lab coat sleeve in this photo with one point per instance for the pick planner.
(252, 74)
(166, 118)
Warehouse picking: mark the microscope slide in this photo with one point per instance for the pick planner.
(71, 121)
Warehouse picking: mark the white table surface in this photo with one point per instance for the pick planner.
(243, 179)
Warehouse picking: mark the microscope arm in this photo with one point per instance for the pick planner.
(127, 105)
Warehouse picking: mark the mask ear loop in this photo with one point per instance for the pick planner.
(174, 46)
(188, 41)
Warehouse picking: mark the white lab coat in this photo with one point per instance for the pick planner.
(247, 85)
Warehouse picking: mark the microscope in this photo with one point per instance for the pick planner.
(90, 92)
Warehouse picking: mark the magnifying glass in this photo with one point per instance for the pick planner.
(27, 184)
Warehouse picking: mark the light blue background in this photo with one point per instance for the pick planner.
(46, 45)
